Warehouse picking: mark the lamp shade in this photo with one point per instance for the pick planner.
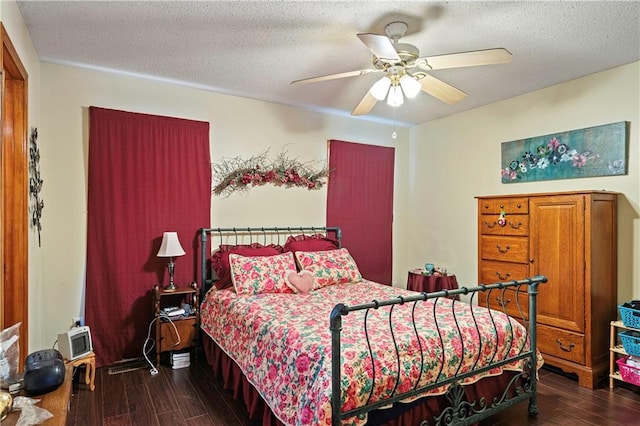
(380, 88)
(410, 86)
(395, 97)
(170, 246)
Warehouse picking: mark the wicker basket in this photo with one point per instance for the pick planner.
(630, 317)
(631, 342)
(629, 373)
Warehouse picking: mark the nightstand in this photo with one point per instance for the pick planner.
(185, 333)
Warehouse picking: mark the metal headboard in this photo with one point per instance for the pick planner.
(264, 235)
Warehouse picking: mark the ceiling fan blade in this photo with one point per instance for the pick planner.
(334, 76)
(468, 59)
(366, 104)
(380, 46)
(441, 90)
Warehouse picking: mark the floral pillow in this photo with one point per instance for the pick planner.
(261, 274)
(220, 259)
(329, 267)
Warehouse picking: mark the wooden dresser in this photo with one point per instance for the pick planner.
(572, 239)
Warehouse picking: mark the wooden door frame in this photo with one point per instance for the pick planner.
(14, 247)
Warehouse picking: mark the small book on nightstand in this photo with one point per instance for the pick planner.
(173, 311)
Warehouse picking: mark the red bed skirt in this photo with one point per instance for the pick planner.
(233, 379)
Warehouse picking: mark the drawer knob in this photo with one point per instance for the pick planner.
(502, 302)
(519, 205)
(503, 250)
(501, 277)
(502, 206)
(565, 347)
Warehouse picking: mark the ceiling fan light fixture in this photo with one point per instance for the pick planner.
(395, 98)
(380, 88)
(410, 86)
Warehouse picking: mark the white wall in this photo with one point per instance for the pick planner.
(239, 127)
(456, 158)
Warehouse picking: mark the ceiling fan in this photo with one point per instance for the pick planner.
(405, 71)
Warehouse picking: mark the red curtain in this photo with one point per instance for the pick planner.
(360, 201)
(147, 175)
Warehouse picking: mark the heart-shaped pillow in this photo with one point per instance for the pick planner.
(300, 282)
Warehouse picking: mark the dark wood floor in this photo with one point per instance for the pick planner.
(192, 396)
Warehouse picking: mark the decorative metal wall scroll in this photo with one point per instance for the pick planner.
(35, 182)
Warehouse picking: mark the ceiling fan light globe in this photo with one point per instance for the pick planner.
(395, 98)
(410, 86)
(380, 88)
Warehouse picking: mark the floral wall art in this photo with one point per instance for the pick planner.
(593, 151)
(240, 174)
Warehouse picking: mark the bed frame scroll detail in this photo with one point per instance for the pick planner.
(522, 386)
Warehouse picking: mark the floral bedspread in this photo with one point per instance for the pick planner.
(282, 343)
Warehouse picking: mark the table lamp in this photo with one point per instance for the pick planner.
(170, 248)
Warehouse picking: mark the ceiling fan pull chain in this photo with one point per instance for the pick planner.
(394, 135)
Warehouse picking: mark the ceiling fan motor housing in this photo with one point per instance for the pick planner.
(407, 52)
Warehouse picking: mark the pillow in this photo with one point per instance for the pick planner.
(300, 282)
(317, 242)
(261, 274)
(329, 267)
(220, 259)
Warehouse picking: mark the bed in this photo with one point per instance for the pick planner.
(354, 352)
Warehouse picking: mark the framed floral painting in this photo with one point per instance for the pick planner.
(594, 151)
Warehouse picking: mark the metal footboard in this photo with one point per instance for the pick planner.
(522, 386)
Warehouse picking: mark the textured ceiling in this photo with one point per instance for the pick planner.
(254, 49)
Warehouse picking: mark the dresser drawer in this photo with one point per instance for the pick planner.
(561, 343)
(515, 304)
(508, 249)
(517, 225)
(507, 205)
(493, 271)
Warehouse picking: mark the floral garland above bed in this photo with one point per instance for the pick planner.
(237, 174)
